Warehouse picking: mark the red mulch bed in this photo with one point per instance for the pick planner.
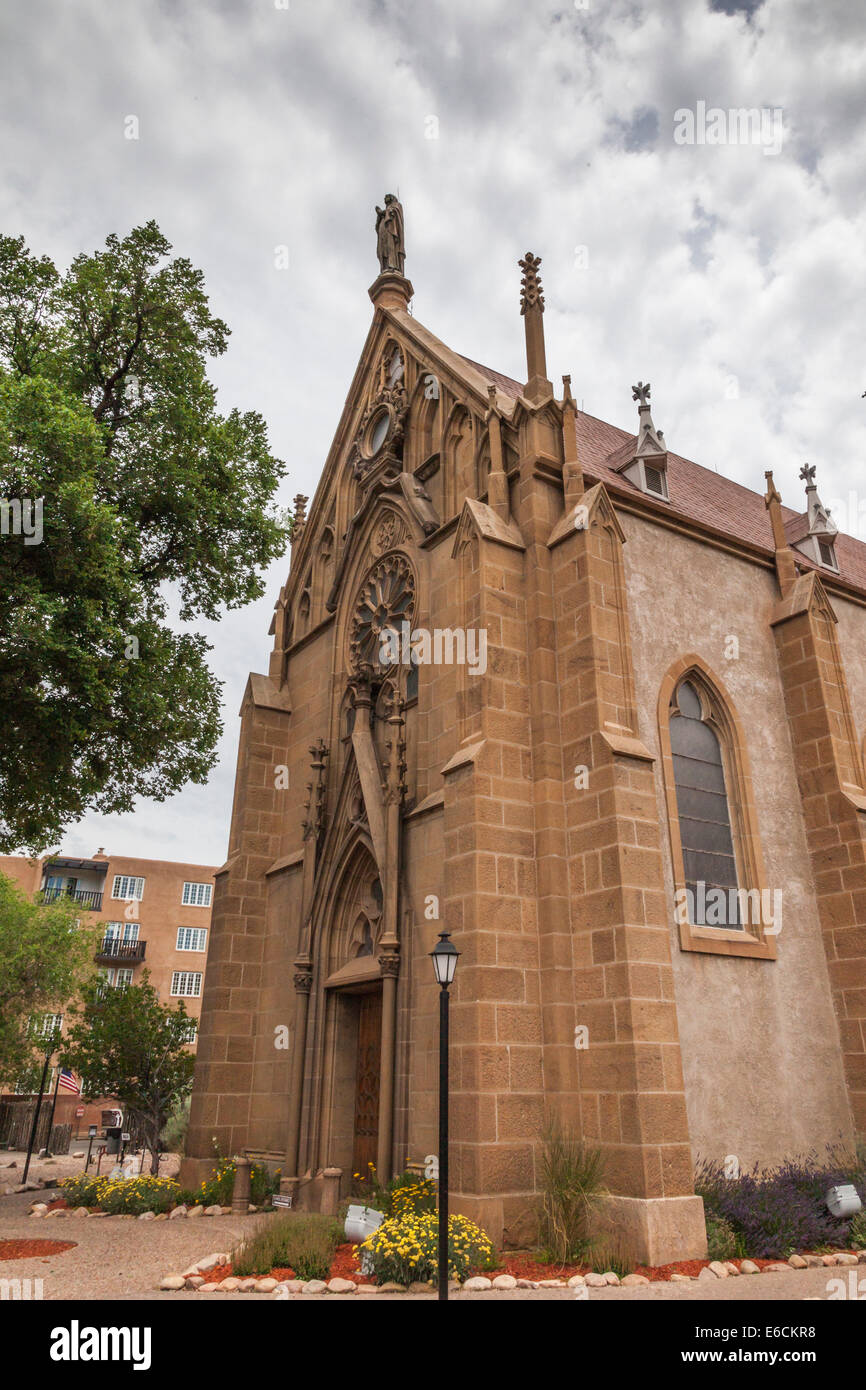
(22, 1249)
(343, 1266)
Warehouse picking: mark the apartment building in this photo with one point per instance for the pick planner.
(155, 915)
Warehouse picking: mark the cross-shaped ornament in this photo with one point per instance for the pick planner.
(641, 393)
(807, 473)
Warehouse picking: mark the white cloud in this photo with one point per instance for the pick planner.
(262, 127)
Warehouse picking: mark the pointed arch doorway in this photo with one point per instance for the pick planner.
(367, 1077)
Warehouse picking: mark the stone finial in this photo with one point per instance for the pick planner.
(537, 388)
(641, 393)
(786, 569)
(650, 441)
(299, 517)
(572, 473)
(531, 295)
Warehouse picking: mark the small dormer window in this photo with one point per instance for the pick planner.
(828, 555)
(655, 480)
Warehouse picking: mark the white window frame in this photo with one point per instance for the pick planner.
(127, 888)
(180, 979)
(122, 931)
(196, 895)
(191, 935)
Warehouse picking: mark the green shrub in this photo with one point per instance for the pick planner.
(721, 1239)
(132, 1196)
(857, 1231)
(301, 1241)
(406, 1250)
(612, 1252)
(571, 1180)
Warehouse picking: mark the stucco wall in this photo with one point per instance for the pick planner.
(759, 1038)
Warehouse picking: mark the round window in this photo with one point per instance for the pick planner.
(379, 431)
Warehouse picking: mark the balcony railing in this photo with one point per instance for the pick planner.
(111, 949)
(85, 896)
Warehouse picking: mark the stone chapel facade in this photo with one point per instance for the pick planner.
(625, 772)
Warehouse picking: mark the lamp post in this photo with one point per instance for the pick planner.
(444, 957)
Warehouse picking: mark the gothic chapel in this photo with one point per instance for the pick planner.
(598, 712)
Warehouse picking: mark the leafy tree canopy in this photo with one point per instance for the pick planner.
(148, 492)
(125, 1043)
(45, 957)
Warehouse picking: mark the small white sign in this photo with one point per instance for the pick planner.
(282, 1199)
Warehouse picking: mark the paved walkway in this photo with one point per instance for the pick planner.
(122, 1258)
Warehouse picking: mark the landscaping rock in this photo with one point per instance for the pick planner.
(420, 1286)
(777, 1268)
(311, 1286)
(247, 1285)
(37, 1206)
(194, 1281)
(631, 1280)
(209, 1288)
(210, 1262)
(505, 1281)
(265, 1285)
(813, 1261)
(828, 1260)
(595, 1281)
(610, 1277)
(391, 1287)
(341, 1286)
(195, 1211)
(476, 1284)
(147, 1216)
(251, 1208)
(731, 1268)
(681, 1278)
(846, 1259)
(213, 1211)
(79, 1211)
(173, 1281)
(231, 1284)
(58, 1211)
(363, 1288)
(161, 1216)
(32, 1186)
(749, 1267)
(575, 1282)
(526, 1284)
(707, 1273)
(225, 1211)
(94, 1214)
(797, 1262)
(720, 1270)
(177, 1214)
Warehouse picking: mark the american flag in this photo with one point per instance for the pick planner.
(68, 1083)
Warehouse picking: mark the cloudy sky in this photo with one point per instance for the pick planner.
(731, 275)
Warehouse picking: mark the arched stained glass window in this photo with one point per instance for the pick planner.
(704, 814)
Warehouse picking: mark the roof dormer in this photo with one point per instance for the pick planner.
(647, 467)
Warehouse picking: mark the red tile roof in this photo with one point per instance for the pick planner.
(696, 494)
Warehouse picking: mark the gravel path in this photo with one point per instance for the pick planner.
(121, 1258)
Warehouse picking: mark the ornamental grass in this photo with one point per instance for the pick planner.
(303, 1242)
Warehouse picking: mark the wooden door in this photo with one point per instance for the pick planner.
(367, 1083)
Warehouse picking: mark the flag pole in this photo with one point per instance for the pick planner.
(51, 1116)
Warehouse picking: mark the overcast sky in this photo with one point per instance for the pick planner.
(730, 277)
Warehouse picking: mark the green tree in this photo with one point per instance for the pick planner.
(149, 497)
(123, 1042)
(45, 958)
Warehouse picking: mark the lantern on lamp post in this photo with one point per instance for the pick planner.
(444, 957)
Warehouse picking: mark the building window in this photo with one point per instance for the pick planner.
(118, 977)
(704, 817)
(186, 983)
(44, 1025)
(122, 931)
(192, 1031)
(197, 894)
(827, 552)
(191, 939)
(131, 889)
(722, 902)
(655, 480)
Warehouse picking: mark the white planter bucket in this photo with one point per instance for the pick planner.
(361, 1222)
